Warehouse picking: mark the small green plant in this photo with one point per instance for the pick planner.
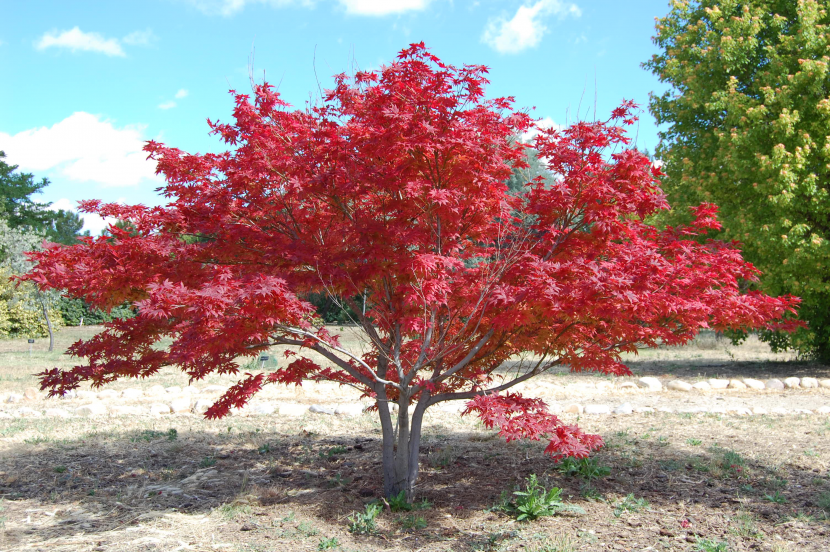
(363, 523)
(589, 492)
(412, 522)
(776, 497)
(207, 462)
(694, 442)
(823, 501)
(709, 545)
(172, 434)
(332, 452)
(745, 526)
(230, 511)
(587, 468)
(535, 501)
(307, 529)
(328, 544)
(398, 503)
(264, 448)
(630, 504)
(60, 469)
(338, 481)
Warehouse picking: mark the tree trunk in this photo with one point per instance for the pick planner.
(48, 323)
(400, 452)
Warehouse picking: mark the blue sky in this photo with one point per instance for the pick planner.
(85, 83)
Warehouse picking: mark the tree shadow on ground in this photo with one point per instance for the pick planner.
(111, 480)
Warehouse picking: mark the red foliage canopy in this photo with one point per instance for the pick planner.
(393, 189)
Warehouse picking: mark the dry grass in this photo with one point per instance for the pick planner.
(272, 484)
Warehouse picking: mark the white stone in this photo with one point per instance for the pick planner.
(574, 409)
(597, 409)
(792, 383)
(263, 409)
(624, 408)
(736, 384)
(354, 409)
(809, 383)
(292, 409)
(665, 410)
(26, 412)
(774, 384)
(740, 411)
(757, 410)
(87, 395)
(802, 411)
(155, 391)
(158, 409)
(244, 411)
(107, 394)
(649, 383)
(823, 410)
(57, 413)
(453, 407)
(132, 394)
(779, 410)
(627, 385)
(719, 383)
(93, 409)
(702, 386)
(605, 385)
(14, 398)
(31, 394)
(717, 410)
(213, 389)
(192, 390)
(825, 383)
(6, 416)
(321, 409)
(69, 394)
(180, 404)
(202, 406)
(754, 384)
(678, 385)
(643, 409)
(173, 390)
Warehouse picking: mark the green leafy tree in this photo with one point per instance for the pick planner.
(24, 309)
(20, 211)
(747, 126)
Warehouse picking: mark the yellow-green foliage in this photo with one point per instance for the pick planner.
(747, 122)
(20, 313)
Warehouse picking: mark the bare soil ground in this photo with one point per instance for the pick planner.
(678, 481)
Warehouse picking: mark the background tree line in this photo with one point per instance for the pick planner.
(24, 225)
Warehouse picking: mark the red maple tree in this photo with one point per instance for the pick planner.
(392, 190)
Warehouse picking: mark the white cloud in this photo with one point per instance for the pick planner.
(93, 222)
(356, 7)
(382, 7)
(541, 124)
(76, 40)
(230, 7)
(140, 38)
(83, 148)
(526, 28)
(167, 105)
(182, 93)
